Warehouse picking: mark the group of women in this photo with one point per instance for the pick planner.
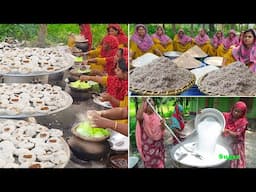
(232, 48)
(108, 63)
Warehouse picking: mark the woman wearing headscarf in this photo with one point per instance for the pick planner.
(245, 52)
(149, 136)
(117, 85)
(116, 30)
(108, 51)
(228, 42)
(202, 40)
(161, 40)
(217, 40)
(177, 123)
(236, 124)
(85, 30)
(141, 43)
(182, 42)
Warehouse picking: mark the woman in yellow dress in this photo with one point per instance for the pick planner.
(141, 43)
(228, 43)
(161, 40)
(182, 42)
(217, 40)
(202, 40)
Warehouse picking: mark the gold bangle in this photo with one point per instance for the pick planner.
(115, 128)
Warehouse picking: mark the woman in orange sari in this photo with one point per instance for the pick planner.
(236, 125)
(149, 137)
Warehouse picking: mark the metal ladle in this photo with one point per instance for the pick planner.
(173, 134)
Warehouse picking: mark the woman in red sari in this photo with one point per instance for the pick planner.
(117, 85)
(236, 124)
(107, 52)
(116, 30)
(149, 136)
(85, 30)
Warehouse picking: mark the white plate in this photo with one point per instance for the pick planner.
(172, 54)
(216, 61)
(144, 60)
(200, 72)
(102, 103)
(119, 141)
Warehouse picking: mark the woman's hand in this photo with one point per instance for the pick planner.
(84, 78)
(105, 97)
(95, 119)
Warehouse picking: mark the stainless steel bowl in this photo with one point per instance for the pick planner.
(211, 114)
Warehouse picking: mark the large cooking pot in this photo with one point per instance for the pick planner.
(86, 150)
(84, 46)
(218, 163)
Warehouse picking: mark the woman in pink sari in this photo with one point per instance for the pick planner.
(182, 42)
(245, 52)
(162, 41)
(236, 124)
(141, 43)
(229, 42)
(202, 40)
(149, 136)
(217, 40)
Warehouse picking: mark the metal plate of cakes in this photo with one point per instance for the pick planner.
(20, 100)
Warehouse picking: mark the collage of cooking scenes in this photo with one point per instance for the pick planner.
(128, 96)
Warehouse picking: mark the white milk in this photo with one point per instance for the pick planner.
(208, 132)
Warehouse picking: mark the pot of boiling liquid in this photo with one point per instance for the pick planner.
(209, 125)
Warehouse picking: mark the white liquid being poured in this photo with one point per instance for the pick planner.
(208, 132)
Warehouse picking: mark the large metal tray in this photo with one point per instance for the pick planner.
(64, 144)
(68, 100)
(69, 58)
